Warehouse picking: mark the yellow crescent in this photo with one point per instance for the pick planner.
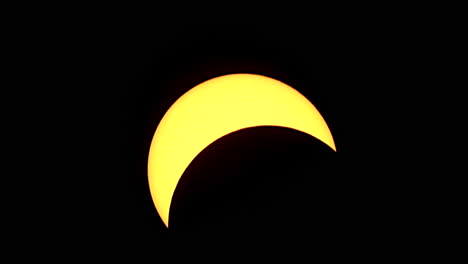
(214, 109)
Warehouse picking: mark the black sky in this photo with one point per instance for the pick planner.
(125, 75)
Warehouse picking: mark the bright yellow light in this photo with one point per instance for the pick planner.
(214, 109)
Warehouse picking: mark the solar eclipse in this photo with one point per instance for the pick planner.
(216, 108)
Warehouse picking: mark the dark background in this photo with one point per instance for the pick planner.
(264, 186)
(268, 187)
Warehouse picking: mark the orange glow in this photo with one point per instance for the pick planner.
(214, 109)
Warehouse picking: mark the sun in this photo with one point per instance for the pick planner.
(218, 107)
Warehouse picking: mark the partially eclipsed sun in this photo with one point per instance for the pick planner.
(218, 107)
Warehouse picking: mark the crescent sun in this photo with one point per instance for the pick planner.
(218, 107)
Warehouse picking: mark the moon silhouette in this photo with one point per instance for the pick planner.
(218, 107)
